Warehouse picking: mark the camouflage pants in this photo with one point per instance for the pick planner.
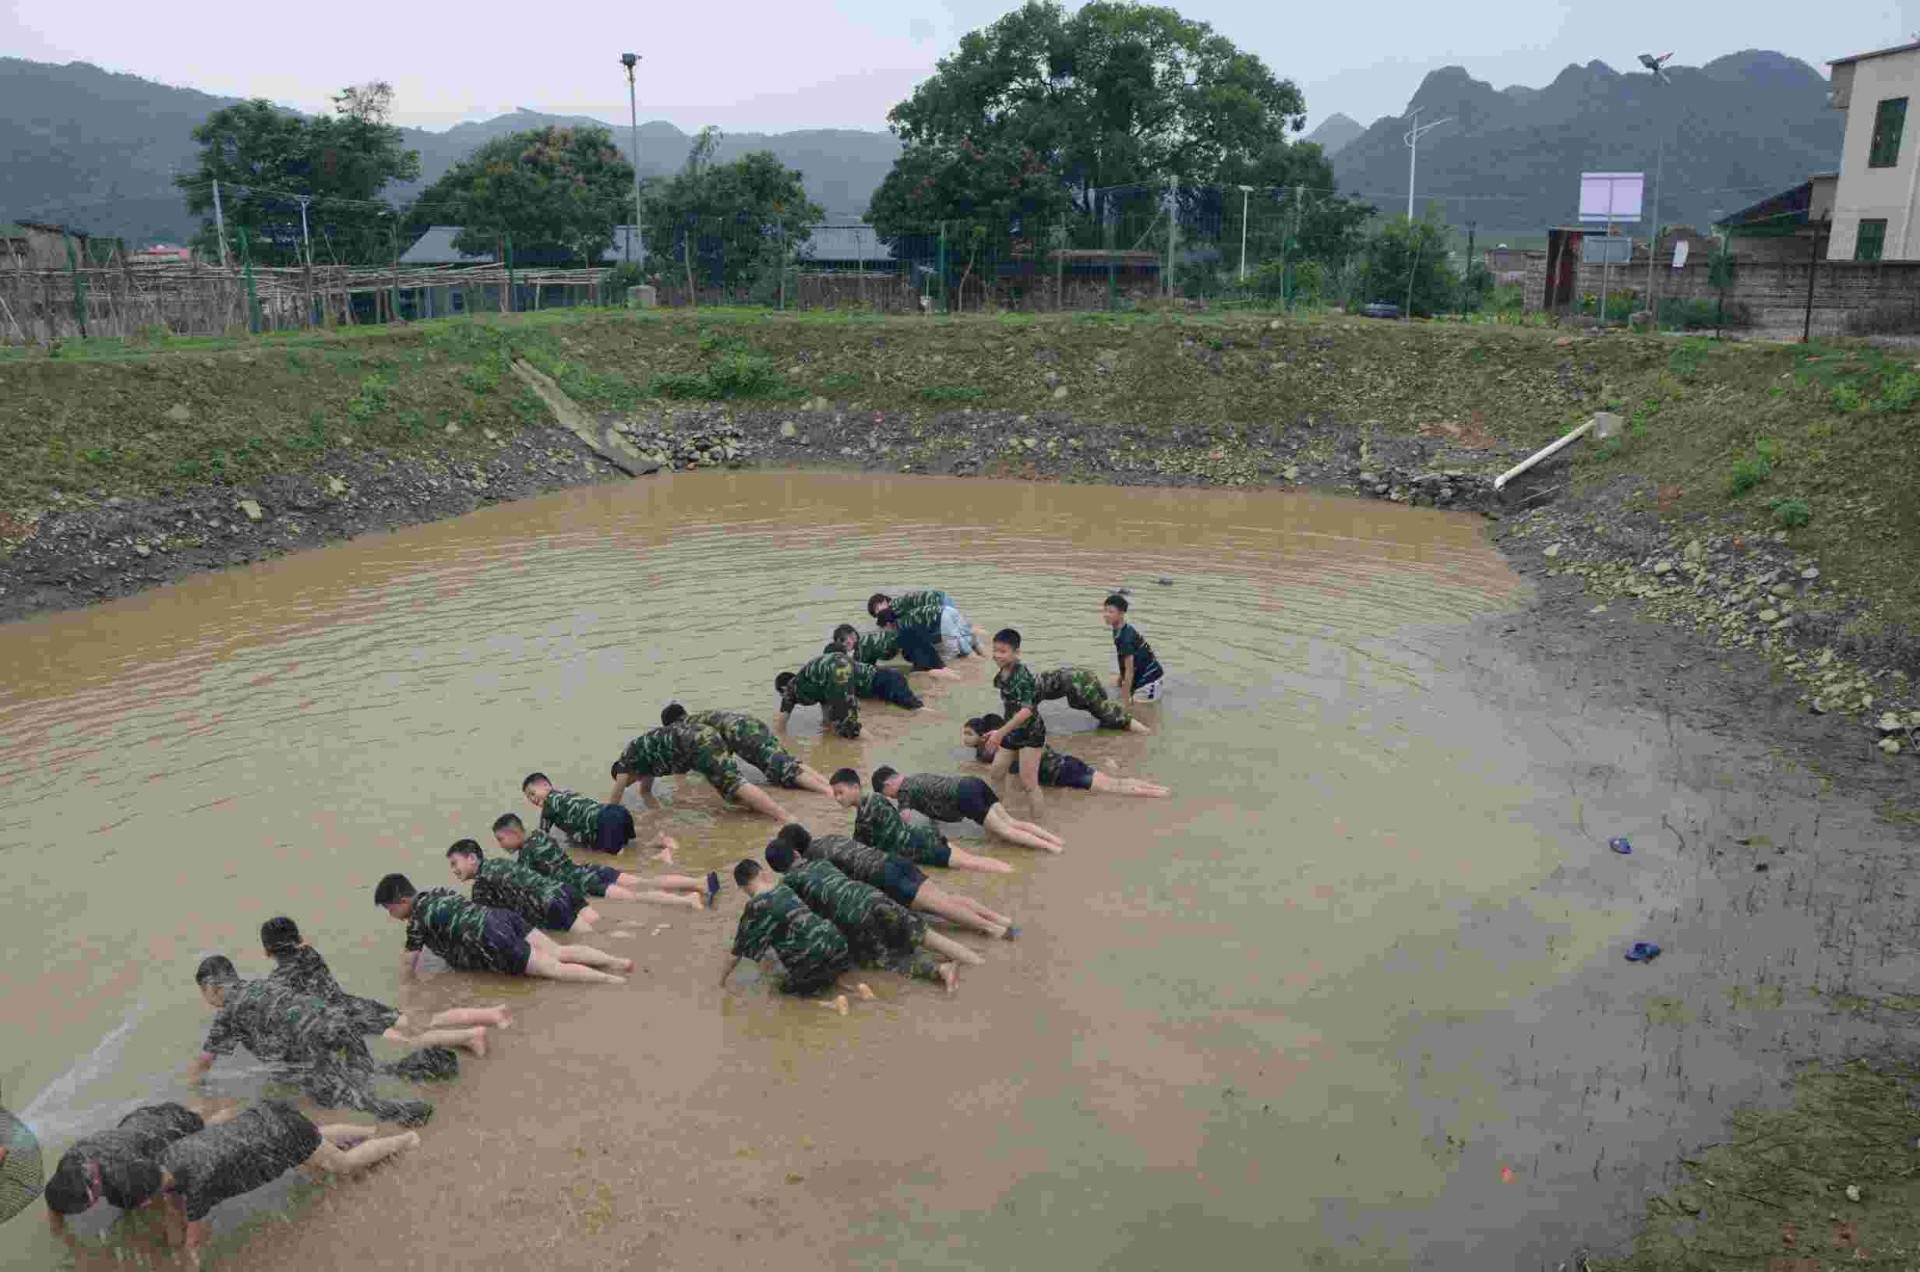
(759, 746)
(712, 760)
(813, 979)
(890, 938)
(335, 1083)
(844, 715)
(1084, 692)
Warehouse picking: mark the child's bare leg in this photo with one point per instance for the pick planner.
(583, 955)
(581, 925)
(1002, 762)
(1029, 766)
(950, 976)
(684, 900)
(547, 967)
(457, 1017)
(663, 846)
(588, 913)
(1129, 786)
(964, 860)
(335, 1160)
(761, 802)
(1001, 824)
(1038, 832)
(671, 883)
(473, 1039)
(953, 909)
(1134, 726)
(346, 1134)
(811, 779)
(940, 943)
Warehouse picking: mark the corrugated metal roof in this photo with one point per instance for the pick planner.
(845, 241)
(1887, 52)
(435, 247)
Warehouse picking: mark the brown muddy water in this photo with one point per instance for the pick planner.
(1305, 1013)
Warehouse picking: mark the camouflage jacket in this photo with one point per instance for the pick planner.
(919, 611)
(508, 885)
(855, 859)
(578, 815)
(280, 1025)
(778, 920)
(935, 794)
(828, 678)
(847, 902)
(546, 857)
(450, 925)
(1018, 688)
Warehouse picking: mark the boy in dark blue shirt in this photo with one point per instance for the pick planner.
(1140, 672)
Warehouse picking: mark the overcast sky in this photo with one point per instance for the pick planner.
(782, 64)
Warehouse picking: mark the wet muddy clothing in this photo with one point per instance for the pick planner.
(1084, 692)
(871, 647)
(254, 1149)
(751, 739)
(811, 950)
(885, 684)
(143, 1135)
(1065, 771)
(947, 799)
(895, 876)
(687, 746)
(281, 1025)
(503, 884)
(1146, 668)
(916, 626)
(304, 971)
(826, 682)
(540, 853)
(1020, 688)
(580, 816)
(879, 932)
(844, 902)
(471, 938)
(878, 822)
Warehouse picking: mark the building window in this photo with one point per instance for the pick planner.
(1888, 123)
(1870, 239)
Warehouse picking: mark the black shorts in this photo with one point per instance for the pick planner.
(615, 830)
(890, 686)
(602, 878)
(561, 910)
(1032, 734)
(901, 880)
(976, 800)
(1074, 774)
(506, 943)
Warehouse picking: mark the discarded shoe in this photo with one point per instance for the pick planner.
(1620, 845)
(1643, 952)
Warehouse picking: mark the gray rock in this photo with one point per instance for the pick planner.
(1781, 589)
(252, 510)
(1553, 550)
(787, 430)
(141, 549)
(179, 413)
(1060, 394)
(1662, 568)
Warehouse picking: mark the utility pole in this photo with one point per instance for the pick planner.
(306, 250)
(1246, 192)
(1658, 66)
(1299, 199)
(1412, 140)
(1173, 234)
(219, 223)
(1466, 275)
(630, 60)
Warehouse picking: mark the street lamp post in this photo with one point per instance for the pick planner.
(630, 60)
(1246, 192)
(1412, 140)
(1658, 66)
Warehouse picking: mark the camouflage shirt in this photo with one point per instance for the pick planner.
(281, 1025)
(303, 970)
(919, 611)
(855, 859)
(934, 794)
(578, 815)
(661, 752)
(878, 822)
(142, 1136)
(450, 925)
(778, 920)
(508, 885)
(249, 1152)
(828, 678)
(1018, 688)
(541, 854)
(847, 902)
(870, 647)
(1062, 681)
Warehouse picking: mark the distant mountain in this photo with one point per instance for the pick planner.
(1736, 130)
(1335, 133)
(98, 150)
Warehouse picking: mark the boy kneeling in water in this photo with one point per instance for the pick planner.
(1065, 771)
(472, 938)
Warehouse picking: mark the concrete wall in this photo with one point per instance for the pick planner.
(1884, 193)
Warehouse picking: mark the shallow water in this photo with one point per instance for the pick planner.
(1216, 1036)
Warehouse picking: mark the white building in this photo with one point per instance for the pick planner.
(1876, 202)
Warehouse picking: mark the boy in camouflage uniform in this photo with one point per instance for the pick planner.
(301, 968)
(120, 1166)
(811, 950)
(472, 938)
(879, 930)
(927, 625)
(1084, 692)
(1024, 732)
(1059, 770)
(752, 740)
(586, 822)
(311, 1045)
(898, 878)
(825, 682)
(503, 884)
(540, 853)
(951, 799)
(688, 748)
(870, 680)
(878, 823)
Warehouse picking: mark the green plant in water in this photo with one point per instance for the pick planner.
(1791, 513)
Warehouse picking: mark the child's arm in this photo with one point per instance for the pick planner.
(620, 783)
(1020, 717)
(198, 1066)
(1125, 679)
(732, 962)
(409, 963)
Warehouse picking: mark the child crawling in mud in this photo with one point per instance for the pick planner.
(300, 967)
(538, 851)
(473, 938)
(1066, 772)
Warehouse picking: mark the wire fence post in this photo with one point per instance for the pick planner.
(942, 266)
(513, 301)
(1113, 264)
(393, 243)
(1173, 234)
(79, 287)
(246, 271)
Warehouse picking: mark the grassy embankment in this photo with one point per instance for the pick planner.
(1820, 441)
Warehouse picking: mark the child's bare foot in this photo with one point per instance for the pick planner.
(950, 976)
(625, 965)
(413, 1139)
(664, 847)
(840, 1004)
(866, 991)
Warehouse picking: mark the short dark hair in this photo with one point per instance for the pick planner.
(507, 821)
(1008, 637)
(844, 777)
(139, 1180)
(779, 855)
(993, 720)
(395, 887)
(781, 681)
(672, 714)
(531, 778)
(69, 1190)
(465, 848)
(1118, 602)
(279, 935)
(215, 969)
(845, 630)
(745, 871)
(881, 774)
(877, 602)
(795, 836)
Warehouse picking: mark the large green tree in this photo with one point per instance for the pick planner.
(558, 192)
(737, 225)
(267, 160)
(1408, 259)
(1045, 110)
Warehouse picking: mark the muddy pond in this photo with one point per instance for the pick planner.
(1352, 997)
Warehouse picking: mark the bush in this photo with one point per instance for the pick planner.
(1847, 399)
(1902, 396)
(1748, 473)
(741, 374)
(1791, 512)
